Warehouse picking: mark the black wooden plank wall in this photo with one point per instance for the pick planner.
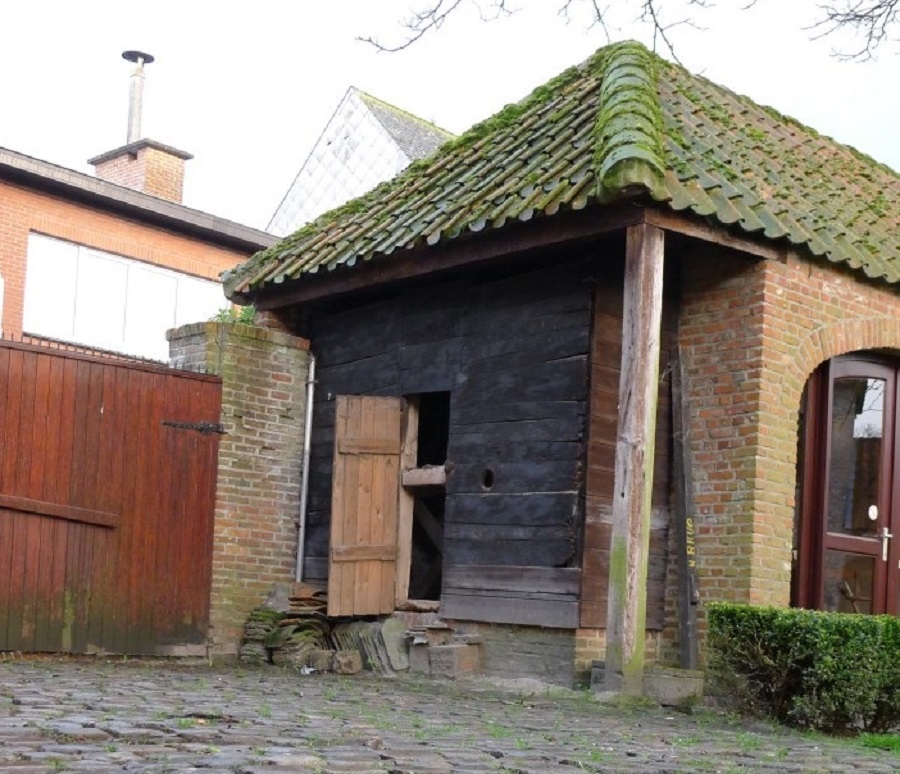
(513, 352)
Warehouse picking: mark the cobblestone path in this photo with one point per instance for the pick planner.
(140, 716)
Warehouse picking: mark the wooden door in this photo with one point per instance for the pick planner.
(850, 552)
(364, 505)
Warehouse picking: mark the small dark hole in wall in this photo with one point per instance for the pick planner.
(487, 478)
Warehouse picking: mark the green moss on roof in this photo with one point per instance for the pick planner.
(512, 113)
(624, 124)
(628, 149)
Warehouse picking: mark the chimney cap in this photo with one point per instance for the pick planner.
(139, 57)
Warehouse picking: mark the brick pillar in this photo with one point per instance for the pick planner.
(264, 375)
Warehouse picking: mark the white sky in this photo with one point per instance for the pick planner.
(247, 87)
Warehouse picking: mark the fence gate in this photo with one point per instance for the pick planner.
(107, 490)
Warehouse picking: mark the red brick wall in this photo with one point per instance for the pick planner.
(752, 332)
(23, 210)
(264, 375)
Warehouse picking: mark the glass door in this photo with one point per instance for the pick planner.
(851, 555)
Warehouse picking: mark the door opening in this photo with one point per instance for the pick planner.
(427, 436)
(847, 557)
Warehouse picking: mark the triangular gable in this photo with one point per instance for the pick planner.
(365, 142)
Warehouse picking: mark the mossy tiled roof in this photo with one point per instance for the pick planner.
(624, 124)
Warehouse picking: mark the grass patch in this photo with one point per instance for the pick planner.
(890, 742)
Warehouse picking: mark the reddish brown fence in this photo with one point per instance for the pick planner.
(107, 488)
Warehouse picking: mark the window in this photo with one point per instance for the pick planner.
(98, 299)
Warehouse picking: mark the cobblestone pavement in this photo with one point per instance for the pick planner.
(140, 716)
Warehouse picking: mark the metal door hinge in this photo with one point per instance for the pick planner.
(206, 428)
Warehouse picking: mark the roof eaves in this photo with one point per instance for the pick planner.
(77, 185)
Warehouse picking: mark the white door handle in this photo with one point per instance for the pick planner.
(885, 537)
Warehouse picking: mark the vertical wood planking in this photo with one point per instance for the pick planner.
(109, 485)
(17, 388)
(50, 591)
(364, 506)
(39, 564)
(339, 495)
(389, 484)
(60, 493)
(633, 489)
(365, 527)
(688, 592)
(87, 606)
(406, 502)
(6, 532)
(87, 432)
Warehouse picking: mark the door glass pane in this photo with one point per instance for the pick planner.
(849, 582)
(857, 420)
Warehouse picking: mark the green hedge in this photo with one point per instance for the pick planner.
(829, 671)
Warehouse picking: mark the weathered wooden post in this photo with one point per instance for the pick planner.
(638, 391)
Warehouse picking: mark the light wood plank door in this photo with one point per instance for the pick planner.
(364, 506)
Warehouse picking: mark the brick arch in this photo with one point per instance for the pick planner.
(830, 341)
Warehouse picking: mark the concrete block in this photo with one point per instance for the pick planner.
(673, 687)
(347, 662)
(419, 662)
(454, 660)
(322, 660)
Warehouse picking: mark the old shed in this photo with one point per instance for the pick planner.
(569, 370)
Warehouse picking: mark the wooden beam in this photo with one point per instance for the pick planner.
(59, 511)
(761, 246)
(466, 250)
(369, 446)
(632, 494)
(433, 476)
(386, 552)
(430, 525)
(409, 449)
(685, 520)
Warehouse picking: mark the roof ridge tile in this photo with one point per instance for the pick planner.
(628, 156)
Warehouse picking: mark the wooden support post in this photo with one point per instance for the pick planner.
(638, 392)
(685, 520)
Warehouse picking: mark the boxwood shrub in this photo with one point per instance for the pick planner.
(833, 672)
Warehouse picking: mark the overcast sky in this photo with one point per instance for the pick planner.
(248, 87)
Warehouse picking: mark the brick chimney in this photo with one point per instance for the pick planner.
(144, 165)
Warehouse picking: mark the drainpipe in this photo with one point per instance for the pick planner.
(304, 478)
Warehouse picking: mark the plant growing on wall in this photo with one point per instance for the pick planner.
(235, 314)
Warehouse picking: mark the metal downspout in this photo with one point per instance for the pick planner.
(304, 479)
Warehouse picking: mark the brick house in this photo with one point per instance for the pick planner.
(625, 348)
(110, 262)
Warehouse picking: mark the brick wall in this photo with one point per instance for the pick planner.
(264, 374)
(150, 170)
(752, 333)
(23, 210)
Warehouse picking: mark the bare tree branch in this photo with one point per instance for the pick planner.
(420, 23)
(650, 12)
(872, 20)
